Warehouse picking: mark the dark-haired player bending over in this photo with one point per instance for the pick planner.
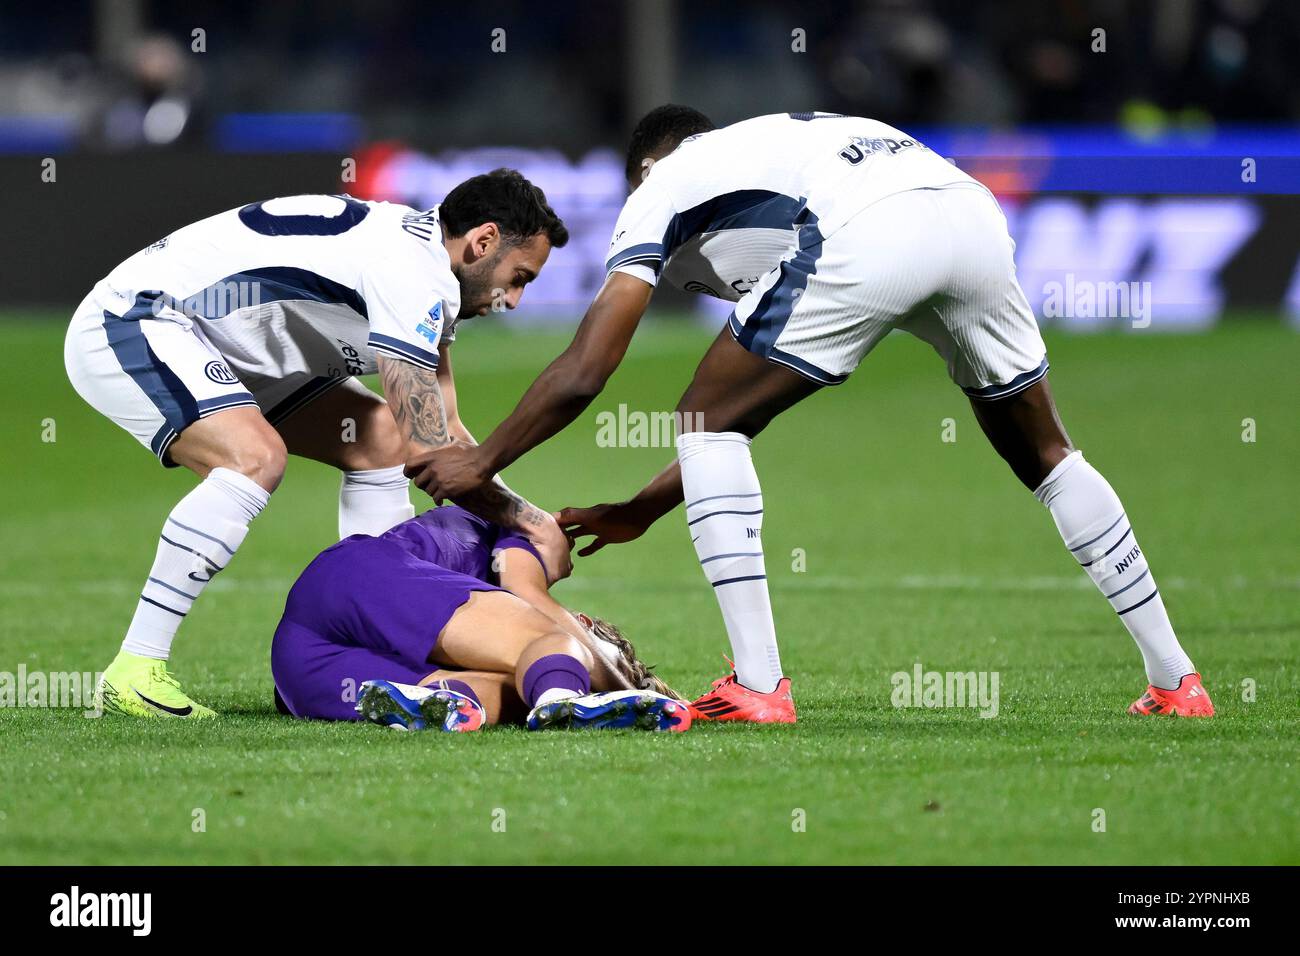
(827, 232)
(234, 342)
(445, 622)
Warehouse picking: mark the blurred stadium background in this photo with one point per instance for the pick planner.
(1163, 149)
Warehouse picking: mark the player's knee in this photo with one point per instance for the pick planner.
(558, 642)
(577, 650)
(547, 639)
(262, 457)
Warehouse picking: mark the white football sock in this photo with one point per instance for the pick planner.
(555, 693)
(724, 514)
(1095, 528)
(371, 502)
(198, 540)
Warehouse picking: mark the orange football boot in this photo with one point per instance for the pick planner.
(1189, 700)
(731, 700)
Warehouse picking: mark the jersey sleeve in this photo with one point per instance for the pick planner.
(512, 539)
(638, 244)
(406, 320)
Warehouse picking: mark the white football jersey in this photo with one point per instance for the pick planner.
(728, 205)
(299, 285)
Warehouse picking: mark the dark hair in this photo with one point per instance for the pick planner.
(506, 198)
(663, 127)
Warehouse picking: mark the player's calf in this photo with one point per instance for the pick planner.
(1097, 531)
(1026, 431)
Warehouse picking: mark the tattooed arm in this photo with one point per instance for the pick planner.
(415, 398)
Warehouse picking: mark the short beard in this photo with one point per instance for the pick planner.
(475, 280)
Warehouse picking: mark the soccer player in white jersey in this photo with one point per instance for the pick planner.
(827, 232)
(234, 342)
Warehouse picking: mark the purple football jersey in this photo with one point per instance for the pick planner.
(369, 608)
(454, 539)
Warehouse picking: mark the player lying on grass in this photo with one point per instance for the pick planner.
(828, 232)
(232, 343)
(445, 622)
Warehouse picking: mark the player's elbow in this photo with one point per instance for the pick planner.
(586, 387)
(586, 378)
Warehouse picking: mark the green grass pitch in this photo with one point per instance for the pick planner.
(915, 549)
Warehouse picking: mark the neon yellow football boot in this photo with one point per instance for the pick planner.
(142, 687)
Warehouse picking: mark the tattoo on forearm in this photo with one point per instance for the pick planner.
(415, 397)
(416, 401)
(513, 511)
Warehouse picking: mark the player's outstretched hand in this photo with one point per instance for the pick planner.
(553, 546)
(448, 471)
(611, 524)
